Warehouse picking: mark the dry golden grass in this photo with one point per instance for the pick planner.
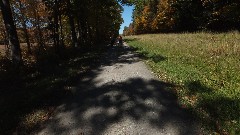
(206, 66)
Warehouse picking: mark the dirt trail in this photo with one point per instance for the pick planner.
(121, 97)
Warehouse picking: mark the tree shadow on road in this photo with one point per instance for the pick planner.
(94, 109)
(28, 94)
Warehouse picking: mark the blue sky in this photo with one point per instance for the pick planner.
(127, 17)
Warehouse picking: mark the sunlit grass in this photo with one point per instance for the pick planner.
(206, 66)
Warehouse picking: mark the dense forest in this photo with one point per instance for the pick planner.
(44, 47)
(41, 24)
(157, 16)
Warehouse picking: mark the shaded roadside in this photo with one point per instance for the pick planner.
(121, 96)
(29, 95)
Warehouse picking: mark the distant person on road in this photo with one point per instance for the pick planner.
(112, 40)
(120, 40)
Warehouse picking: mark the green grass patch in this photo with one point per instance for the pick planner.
(206, 68)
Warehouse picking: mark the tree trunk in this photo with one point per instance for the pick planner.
(7, 48)
(16, 55)
(79, 35)
(61, 32)
(23, 21)
(98, 13)
(27, 38)
(56, 27)
(38, 32)
(83, 29)
(71, 23)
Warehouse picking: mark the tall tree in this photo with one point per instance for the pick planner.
(71, 23)
(11, 31)
(23, 21)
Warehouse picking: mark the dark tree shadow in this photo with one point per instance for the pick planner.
(217, 108)
(195, 87)
(130, 39)
(92, 109)
(39, 86)
(158, 58)
(144, 54)
(143, 101)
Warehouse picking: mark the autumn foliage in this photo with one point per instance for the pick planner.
(60, 23)
(155, 16)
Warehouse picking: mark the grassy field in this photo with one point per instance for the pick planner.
(206, 69)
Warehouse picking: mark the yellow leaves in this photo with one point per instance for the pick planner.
(146, 9)
(192, 100)
(216, 13)
(36, 117)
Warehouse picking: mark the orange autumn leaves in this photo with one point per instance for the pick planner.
(155, 16)
(152, 19)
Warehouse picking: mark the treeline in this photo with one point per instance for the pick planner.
(57, 23)
(156, 16)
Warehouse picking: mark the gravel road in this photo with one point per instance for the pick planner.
(121, 97)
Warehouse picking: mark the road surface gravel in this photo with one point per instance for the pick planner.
(121, 97)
